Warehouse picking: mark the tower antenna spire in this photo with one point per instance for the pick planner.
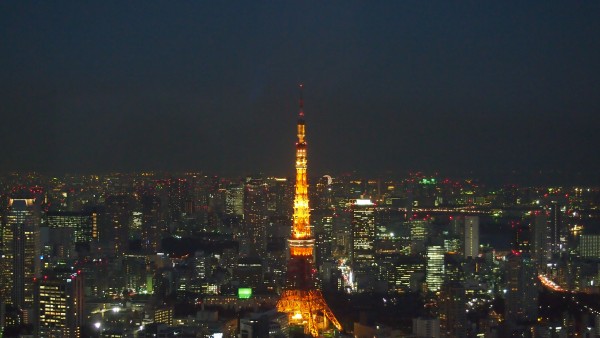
(301, 103)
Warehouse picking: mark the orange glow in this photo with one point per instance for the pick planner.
(302, 308)
(296, 251)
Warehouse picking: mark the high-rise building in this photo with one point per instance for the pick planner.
(426, 327)
(363, 233)
(21, 252)
(362, 252)
(255, 216)
(539, 230)
(114, 231)
(59, 301)
(323, 228)
(154, 226)
(556, 228)
(301, 300)
(522, 291)
(453, 310)
(419, 231)
(342, 233)
(85, 224)
(521, 237)
(454, 267)
(322, 193)
(280, 196)
(179, 194)
(435, 267)
(234, 200)
(249, 272)
(410, 271)
(471, 240)
(589, 246)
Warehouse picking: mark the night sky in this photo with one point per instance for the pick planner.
(470, 87)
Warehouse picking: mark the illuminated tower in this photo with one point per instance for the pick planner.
(301, 299)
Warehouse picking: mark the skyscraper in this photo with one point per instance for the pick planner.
(59, 304)
(471, 236)
(114, 232)
(255, 216)
(453, 306)
(153, 224)
(301, 300)
(589, 246)
(435, 267)
(323, 226)
(419, 231)
(363, 242)
(363, 232)
(83, 223)
(234, 200)
(179, 190)
(522, 292)
(539, 230)
(21, 252)
(556, 231)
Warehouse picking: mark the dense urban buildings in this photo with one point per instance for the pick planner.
(101, 255)
(117, 257)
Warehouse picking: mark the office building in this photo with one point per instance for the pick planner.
(114, 231)
(471, 236)
(557, 233)
(452, 310)
(59, 300)
(154, 226)
(85, 224)
(435, 267)
(522, 291)
(426, 327)
(589, 246)
(255, 216)
(21, 246)
(539, 230)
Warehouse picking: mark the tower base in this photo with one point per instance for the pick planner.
(307, 308)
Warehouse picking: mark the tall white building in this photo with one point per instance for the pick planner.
(471, 236)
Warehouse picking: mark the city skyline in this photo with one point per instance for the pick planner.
(144, 254)
(463, 89)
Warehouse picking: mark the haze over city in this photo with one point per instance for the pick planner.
(458, 88)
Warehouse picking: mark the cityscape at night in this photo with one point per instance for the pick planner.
(419, 169)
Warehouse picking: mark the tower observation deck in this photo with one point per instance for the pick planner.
(301, 299)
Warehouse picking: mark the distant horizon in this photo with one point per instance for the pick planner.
(535, 178)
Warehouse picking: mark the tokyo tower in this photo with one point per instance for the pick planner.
(301, 299)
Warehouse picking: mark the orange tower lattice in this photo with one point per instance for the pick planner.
(301, 299)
